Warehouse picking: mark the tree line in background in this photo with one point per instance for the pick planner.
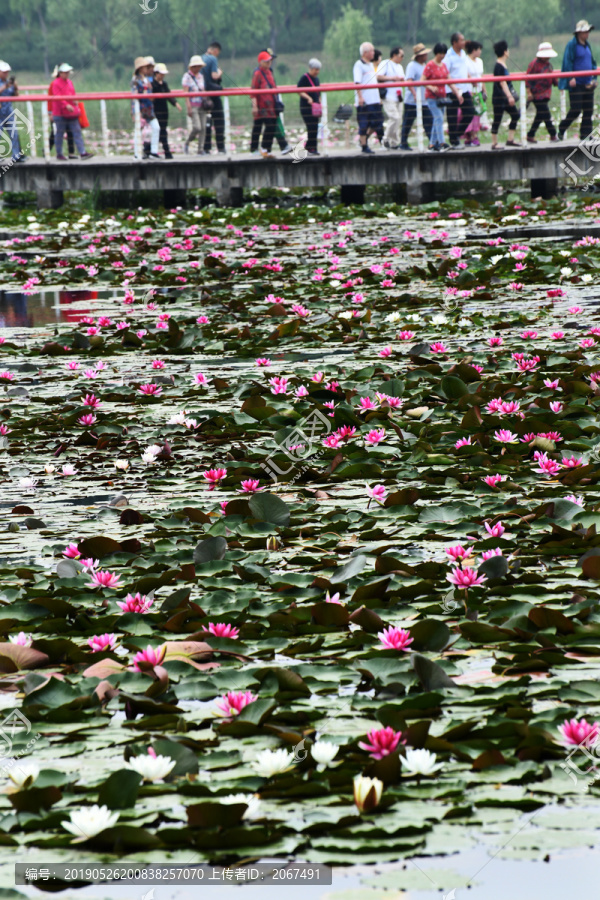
(37, 34)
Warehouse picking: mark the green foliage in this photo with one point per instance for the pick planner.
(345, 35)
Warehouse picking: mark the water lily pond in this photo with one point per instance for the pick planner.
(298, 539)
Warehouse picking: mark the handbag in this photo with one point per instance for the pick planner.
(83, 119)
(279, 106)
(479, 104)
(443, 102)
(316, 109)
(207, 103)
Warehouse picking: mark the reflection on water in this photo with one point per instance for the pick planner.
(47, 307)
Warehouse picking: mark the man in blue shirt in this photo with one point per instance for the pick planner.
(578, 58)
(460, 95)
(212, 80)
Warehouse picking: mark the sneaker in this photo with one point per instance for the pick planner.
(255, 153)
(61, 158)
(555, 138)
(561, 135)
(405, 147)
(513, 144)
(313, 153)
(266, 155)
(531, 140)
(475, 143)
(287, 149)
(368, 150)
(89, 155)
(73, 156)
(434, 148)
(20, 159)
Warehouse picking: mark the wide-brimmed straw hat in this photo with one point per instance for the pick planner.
(4, 66)
(140, 62)
(161, 69)
(583, 25)
(420, 50)
(196, 61)
(546, 51)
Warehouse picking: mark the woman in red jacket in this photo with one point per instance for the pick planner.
(263, 107)
(65, 112)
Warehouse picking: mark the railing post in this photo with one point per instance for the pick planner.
(137, 130)
(227, 115)
(563, 105)
(523, 111)
(31, 117)
(324, 125)
(420, 144)
(45, 130)
(104, 125)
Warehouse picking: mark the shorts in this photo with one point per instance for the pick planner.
(370, 116)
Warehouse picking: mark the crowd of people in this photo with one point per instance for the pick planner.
(465, 103)
(460, 107)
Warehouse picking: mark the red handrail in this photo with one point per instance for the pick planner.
(292, 89)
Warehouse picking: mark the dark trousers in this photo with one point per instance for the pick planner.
(410, 114)
(70, 141)
(312, 125)
(216, 123)
(542, 115)
(581, 102)
(504, 107)
(467, 111)
(269, 133)
(164, 136)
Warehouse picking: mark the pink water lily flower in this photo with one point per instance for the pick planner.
(69, 469)
(92, 401)
(506, 437)
(457, 551)
(279, 385)
(387, 351)
(221, 629)
(552, 384)
(213, 477)
(488, 554)
(394, 638)
(334, 598)
(378, 493)
(496, 530)
(250, 486)
(104, 579)
(137, 603)
(150, 390)
(21, 639)
(151, 655)
(88, 419)
(463, 442)
(233, 702)
(381, 742)
(405, 335)
(158, 363)
(71, 551)
(494, 480)
(556, 406)
(582, 732)
(438, 347)
(263, 361)
(465, 577)
(495, 341)
(365, 403)
(102, 642)
(578, 499)
(375, 436)
(571, 462)
(546, 465)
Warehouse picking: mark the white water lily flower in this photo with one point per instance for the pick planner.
(28, 484)
(148, 458)
(152, 768)
(566, 271)
(413, 317)
(178, 418)
(586, 278)
(49, 469)
(420, 762)
(323, 752)
(565, 252)
(393, 317)
(439, 319)
(24, 771)
(496, 259)
(254, 803)
(272, 762)
(89, 821)
(122, 464)
(367, 792)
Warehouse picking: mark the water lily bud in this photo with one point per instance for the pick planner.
(272, 543)
(367, 792)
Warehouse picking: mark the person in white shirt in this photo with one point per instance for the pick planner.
(475, 66)
(414, 72)
(391, 70)
(460, 94)
(366, 99)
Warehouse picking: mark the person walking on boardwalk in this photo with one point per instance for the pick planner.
(392, 70)
(161, 106)
(366, 98)
(66, 113)
(8, 117)
(213, 81)
(475, 68)
(71, 145)
(578, 58)
(140, 85)
(461, 95)
(504, 98)
(310, 104)
(539, 91)
(263, 107)
(193, 80)
(414, 72)
(435, 70)
(280, 137)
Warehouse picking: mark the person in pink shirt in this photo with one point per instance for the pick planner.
(435, 96)
(65, 112)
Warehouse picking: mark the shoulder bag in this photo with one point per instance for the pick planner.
(316, 109)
